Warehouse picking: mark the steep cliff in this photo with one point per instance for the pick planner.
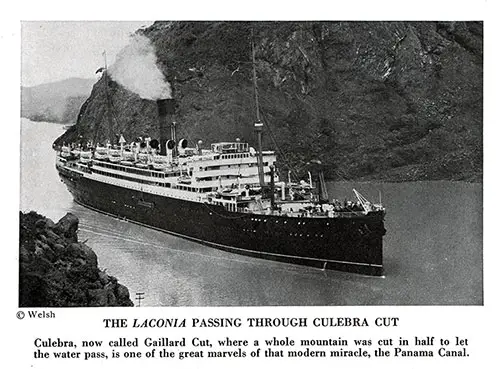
(55, 270)
(373, 100)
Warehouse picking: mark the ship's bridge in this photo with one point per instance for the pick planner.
(229, 147)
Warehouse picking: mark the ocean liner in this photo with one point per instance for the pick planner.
(228, 197)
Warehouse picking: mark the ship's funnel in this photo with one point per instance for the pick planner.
(166, 112)
(183, 143)
(170, 144)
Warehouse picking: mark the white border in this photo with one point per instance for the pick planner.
(478, 323)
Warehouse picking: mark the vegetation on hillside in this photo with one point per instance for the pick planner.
(390, 101)
(58, 102)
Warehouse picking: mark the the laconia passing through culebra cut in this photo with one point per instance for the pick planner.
(228, 197)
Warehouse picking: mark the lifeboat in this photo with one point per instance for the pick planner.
(101, 153)
(184, 179)
(85, 156)
(76, 152)
(115, 155)
(128, 155)
(160, 162)
(65, 152)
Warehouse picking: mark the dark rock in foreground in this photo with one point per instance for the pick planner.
(55, 270)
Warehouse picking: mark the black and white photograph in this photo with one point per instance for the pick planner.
(251, 163)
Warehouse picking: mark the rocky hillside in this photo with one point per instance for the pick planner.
(371, 100)
(55, 270)
(55, 102)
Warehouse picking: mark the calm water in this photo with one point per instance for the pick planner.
(433, 247)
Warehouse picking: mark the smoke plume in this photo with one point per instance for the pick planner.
(136, 70)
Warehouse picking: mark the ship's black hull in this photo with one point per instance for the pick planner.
(345, 244)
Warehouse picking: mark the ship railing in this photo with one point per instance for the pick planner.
(230, 205)
(348, 214)
(315, 214)
(219, 161)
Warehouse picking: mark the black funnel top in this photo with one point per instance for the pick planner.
(166, 111)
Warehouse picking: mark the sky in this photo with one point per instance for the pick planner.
(55, 50)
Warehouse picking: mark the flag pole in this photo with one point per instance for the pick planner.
(108, 101)
(105, 60)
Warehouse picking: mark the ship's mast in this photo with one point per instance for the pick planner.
(258, 124)
(108, 101)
